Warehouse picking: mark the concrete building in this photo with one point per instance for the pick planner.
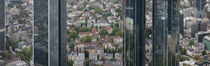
(93, 56)
(206, 41)
(200, 35)
(96, 63)
(203, 24)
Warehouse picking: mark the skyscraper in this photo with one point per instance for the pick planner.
(2, 25)
(129, 32)
(41, 32)
(173, 32)
(135, 32)
(160, 32)
(49, 32)
(200, 5)
(139, 33)
(166, 31)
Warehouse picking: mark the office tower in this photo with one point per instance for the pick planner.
(49, 33)
(2, 25)
(181, 24)
(173, 32)
(129, 32)
(166, 31)
(200, 5)
(135, 32)
(139, 33)
(160, 32)
(41, 32)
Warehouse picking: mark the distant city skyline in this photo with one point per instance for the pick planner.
(104, 32)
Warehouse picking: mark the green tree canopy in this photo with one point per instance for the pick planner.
(103, 33)
(86, 53)
(70, 62)
(73, 35)
(192, 42)
(86, 39)
(84, 29)
(182, 50)
(88, 63)
(71, 46)
(118, 33)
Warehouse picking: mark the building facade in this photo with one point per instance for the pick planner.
(49, 33)
(173, 32)
(41, 32)
(160, 32)
(166, 31)
(134, 32)
(206, 41)
(2, 25)
(200, 5)
(139, 24)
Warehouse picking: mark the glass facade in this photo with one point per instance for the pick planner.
(199, 5)
(49, 33)
(173, 35)
(166, 31)
(129, 32)
(2, 25)
(135, 32)
(41, 32)
(160, 32)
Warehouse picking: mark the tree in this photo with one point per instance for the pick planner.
(71, 46)
(103, 33)
(98, 10)
(196, 57)
(148, 32)
(113, 59)
(118, 33)
(86, 53)
(26, 54)
(70, 62)
(88, 62)
(192, 42)
(68, 31)
(119, 50)
(115, 44)
(183, 58)
(114, 25)
(114, 30)
(86, 39)
(204, 52)
(6, 55)
(73, 35)
(84, 29)
(182, 50)
(120, 12)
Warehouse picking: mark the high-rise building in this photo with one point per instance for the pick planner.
(135, 32)
(49, 33)
(173, 32)
(129, 32)
(200, 5)
(160, 32)
(139, 33)
(166, 31)
(2, 25)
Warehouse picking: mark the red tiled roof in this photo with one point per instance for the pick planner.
(108, 28)
(89, 43)
(94, 30)
(86, 32)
